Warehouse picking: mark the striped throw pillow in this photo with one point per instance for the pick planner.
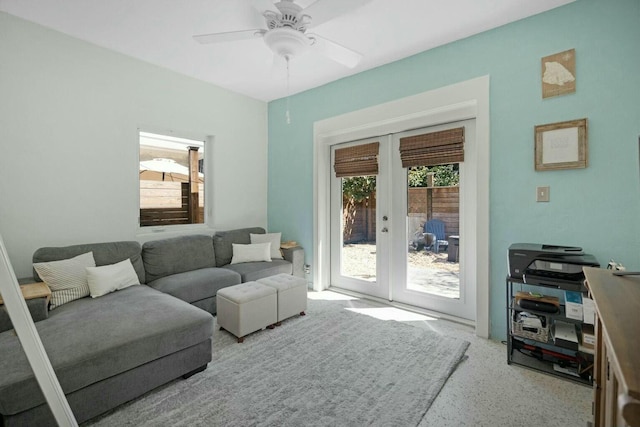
(67, 278)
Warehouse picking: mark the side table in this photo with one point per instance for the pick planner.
(37, 297)
(288, 245)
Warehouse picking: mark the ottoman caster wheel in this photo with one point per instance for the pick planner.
(302, 313)
(271, 326)
(240, 340)
(278, 324)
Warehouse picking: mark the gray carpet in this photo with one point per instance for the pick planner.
(332, 367)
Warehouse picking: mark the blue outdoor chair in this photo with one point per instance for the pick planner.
(434, 236)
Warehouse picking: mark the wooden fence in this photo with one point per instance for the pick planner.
(424, 203)
(437, 203)
(167, 203)
(359, 220)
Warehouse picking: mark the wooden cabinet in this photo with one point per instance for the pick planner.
(616, 382)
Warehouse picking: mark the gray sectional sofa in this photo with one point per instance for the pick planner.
(185, 267)
(193, 268)
(293, 262)
(112, 349)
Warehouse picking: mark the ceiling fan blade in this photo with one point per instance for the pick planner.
(322, 11)
(229, 36)
(332, 50)
(264, 5)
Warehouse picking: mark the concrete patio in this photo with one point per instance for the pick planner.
(427, 271)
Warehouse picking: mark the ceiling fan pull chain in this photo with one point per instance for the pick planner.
(288, 114)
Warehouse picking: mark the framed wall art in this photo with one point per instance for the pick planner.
(559, 74)
(561, 145)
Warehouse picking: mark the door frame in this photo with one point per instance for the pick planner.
(460, 101)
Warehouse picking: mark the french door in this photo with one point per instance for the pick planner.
(379, 245)
(359, 226)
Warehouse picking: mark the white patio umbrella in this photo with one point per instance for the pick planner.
(165, 170)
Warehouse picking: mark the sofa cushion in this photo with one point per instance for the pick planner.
(223, 240)
(252, 271)
(273, 238)
(251, 253)
(196, 285)
(89, 340)
(176, 255)
(109, 278)
(67, 278)
(103, 253)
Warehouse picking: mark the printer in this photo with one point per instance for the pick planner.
(549, 265)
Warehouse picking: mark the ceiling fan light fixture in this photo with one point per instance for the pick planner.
(286, 29)
(286, 42)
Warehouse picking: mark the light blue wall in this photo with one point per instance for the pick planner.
(597, 208)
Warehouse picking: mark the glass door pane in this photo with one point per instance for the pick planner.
(358, 254)
(433, 208)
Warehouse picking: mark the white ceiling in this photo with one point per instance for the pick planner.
(159, 32)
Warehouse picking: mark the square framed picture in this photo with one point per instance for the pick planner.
(561, 145)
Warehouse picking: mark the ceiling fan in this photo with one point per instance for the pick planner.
(286, 29)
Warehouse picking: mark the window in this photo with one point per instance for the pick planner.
(171, 180)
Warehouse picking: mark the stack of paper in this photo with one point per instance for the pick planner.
(529, 320)
(588, 310)
(573, 304)
(565, 335)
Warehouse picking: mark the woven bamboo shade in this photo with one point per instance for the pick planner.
(358, 160)
(430, 149)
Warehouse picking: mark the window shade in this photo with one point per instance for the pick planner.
(358, 160)
(430, 149)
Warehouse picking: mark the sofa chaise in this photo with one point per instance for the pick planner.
(114, 348)
(107, 350)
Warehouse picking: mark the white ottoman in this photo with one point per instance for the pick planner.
(292, 294)
(246, 308)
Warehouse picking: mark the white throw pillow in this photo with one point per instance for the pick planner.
(108, 278)
(66, 278)
(251, 253)
(273, 238)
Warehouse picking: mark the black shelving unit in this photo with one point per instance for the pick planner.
(535, 352)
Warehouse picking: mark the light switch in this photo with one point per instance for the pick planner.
(542, 194)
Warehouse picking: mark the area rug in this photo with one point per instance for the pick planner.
(332, 367)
